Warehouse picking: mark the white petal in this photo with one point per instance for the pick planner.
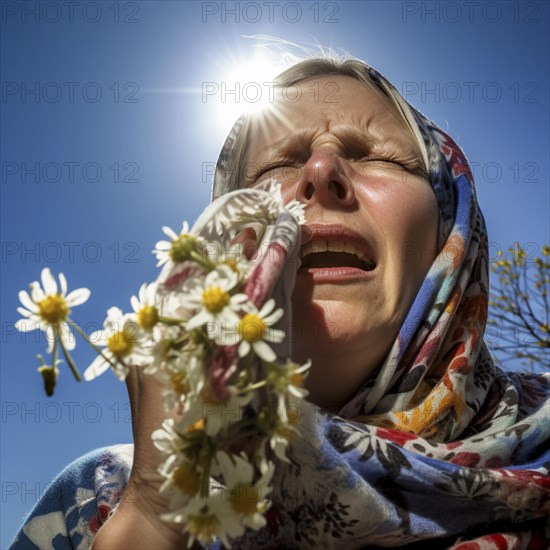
(25, 299)
(48, 281)
(26, 325)
(275, 335)
(78, 296)
(267, 308)
(67, 337)
(113, 314)
(151, 294)
(162, 246)
(244, 348)
(24, 312)
(264, 351)
(169, 232)
(142, 292)
(136, 304)
(99, 366)
(37, 293)
(50, 337)
(202, 317)
(63, 284)
(226, 464)
(229, 317)
(274, 317)
(99, 338)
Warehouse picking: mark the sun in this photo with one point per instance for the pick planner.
(248, 86)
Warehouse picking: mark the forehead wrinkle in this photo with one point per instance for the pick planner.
(366, 129)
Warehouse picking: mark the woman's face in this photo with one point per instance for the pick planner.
(338, 147)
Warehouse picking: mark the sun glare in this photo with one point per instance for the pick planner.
(247, 87)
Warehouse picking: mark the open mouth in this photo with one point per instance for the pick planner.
(325, 254)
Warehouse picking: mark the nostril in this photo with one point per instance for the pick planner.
(338, 189)
(309, 191)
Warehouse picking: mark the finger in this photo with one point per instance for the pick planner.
(132, 386)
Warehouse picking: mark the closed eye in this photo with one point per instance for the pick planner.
(414, 166)
(286, 167)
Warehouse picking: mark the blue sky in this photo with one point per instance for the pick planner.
(104, 103)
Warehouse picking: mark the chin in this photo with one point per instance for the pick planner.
(324, 325)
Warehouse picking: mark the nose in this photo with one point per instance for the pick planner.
(323, 180)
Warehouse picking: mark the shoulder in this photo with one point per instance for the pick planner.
(77, 501)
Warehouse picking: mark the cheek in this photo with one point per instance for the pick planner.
(407, 215)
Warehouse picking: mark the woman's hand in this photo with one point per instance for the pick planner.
(135, 524)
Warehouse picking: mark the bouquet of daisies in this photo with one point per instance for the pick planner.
(210, 329)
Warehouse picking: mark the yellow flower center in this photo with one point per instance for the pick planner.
(252, 327)
(297, 379)
(198, 426)
(285, 432)
(186, 479)
(147, 317)
(121, 343)
(284, 429)
(293, 414)
(232, 264)
(180, 383)
(203, 526)
(182, 247)
(207, 396)
(246, 499)
(215, 299)
(53, 308)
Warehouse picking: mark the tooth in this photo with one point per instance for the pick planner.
(349, 248)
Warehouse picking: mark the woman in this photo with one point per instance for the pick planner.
(414, 437)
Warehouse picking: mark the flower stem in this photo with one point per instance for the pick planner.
(170, 320)
(69, 360)
(254, 386)
(203, 262)
(85, 336)
(205, 478)
(55, 350)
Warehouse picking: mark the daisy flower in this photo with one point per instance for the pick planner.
(47, 308)
(288, 378)
(217, 415)
(274, 205)
(254, 330)
(180, 248)
(144, 305)
(248, 498)
(182, 478)
(296, 208)
(207, 520)
(213, 296)
(120, 337)
(285, 428)
(233, 256)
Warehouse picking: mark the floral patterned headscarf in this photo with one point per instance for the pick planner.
(441, 443)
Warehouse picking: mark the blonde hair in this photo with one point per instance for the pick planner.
(229, 172)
